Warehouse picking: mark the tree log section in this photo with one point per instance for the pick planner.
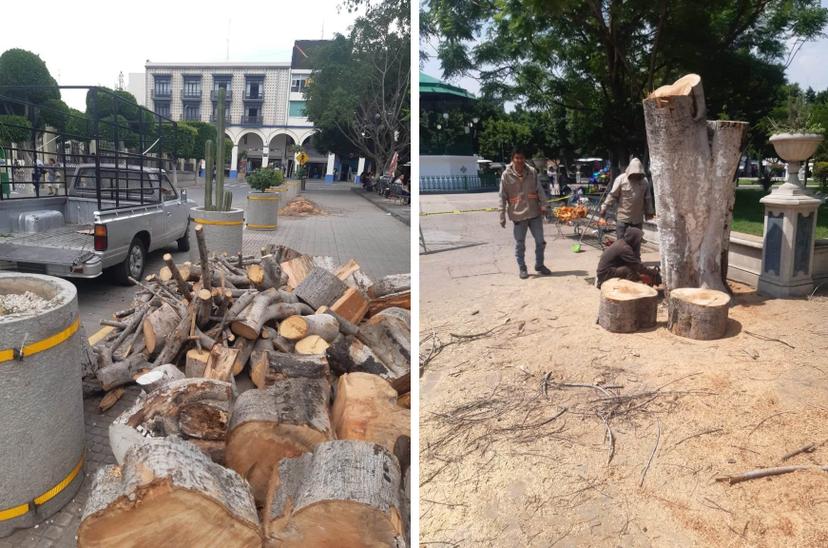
(311, 345)
(268, 368)
(295, 328)
(196, 362)
(282, 421)
(394, 300)
(693, 163)
(627, 307)
(320, 288)
(395, 283)
(352, 305)
(220, 364)
(157, 326)
(168, 493)
(366, 409)
(122, 372)
(389, 337)
(346, 493)
(183, 287)
(204, 303)
(698, 313)
(264, 308)
(175, 340)
(204, 255)
(350, 355)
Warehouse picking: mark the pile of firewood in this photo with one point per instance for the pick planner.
(275, 406)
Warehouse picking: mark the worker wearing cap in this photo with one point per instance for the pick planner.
(631, 191)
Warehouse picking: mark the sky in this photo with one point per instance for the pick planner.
(88, 42)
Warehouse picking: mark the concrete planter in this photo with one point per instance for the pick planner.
(41, 454)
(223, 231)
(262, 210)
(795, 147)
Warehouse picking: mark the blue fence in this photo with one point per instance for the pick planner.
(458, 183)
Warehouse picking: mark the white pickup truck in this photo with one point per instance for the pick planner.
(91, 227)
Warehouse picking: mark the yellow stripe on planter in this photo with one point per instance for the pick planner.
(260, 226)
(23, 509)
(220, 223)
(265, 198)
(8, 354)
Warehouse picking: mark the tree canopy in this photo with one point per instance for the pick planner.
(591, 62)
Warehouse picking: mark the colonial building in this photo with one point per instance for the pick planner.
(264, 106)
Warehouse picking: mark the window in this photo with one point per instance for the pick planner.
(221, 82)
(296, 109)
(252, 112)
(192, 87)
(297, 85)
(163, 108)
(192, 112)
(167, 190)
(162, 86)
(253, 89)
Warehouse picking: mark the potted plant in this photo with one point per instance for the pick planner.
(796, 138)
(263, 205)
(223, 225)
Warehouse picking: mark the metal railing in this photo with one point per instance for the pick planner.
(454, 183)
(251, 120)
(228, 95)
(190, 95)
(213, 118)
(251, 97)
(161, 93)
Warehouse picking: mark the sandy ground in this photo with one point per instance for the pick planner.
(505, 462)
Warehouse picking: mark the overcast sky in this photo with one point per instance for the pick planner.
(90, 41)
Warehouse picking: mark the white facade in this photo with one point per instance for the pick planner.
(258, 118)
(137, 86)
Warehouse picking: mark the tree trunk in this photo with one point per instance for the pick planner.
(698, 313)
(168, 493)
(320, 288)
(282, 421)
(268, 368)
(299, 327)
(346, 493)
(626, 306)
(244, 347)
(692, 162)
(158, 324)
(366, 409)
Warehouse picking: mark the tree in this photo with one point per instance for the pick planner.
(597, 59)
(29, 81)
(177, 140)
(361, 86)
(14, 129)
(206, 132)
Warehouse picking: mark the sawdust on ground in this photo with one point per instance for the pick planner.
(301, 207)
(505, 461)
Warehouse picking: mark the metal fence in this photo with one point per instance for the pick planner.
(458, 183)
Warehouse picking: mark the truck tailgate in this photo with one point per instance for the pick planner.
(54, 251)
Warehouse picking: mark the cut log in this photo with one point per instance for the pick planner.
(220, 363)
(268, 368)
(395, 283)
(158, 324)
(397, 300)
(183, 287)
(282, 421)
(204, 303)
(159, 376)
(265, 307)
(297, 269)
(176, 339)
(168, 493)
(366, 409)
(627, 307)
(346, 493)
(698, 313)
(693, 163)
(345, 271)
(121, 373)
(389, 337)
(203, 253)
(350, 355)
(110, 399)
(352, 305)
(244, 348)
(310, 345)
(266, 274)
(299, 327)
(320, 288)
(196, 362)
(204, 420)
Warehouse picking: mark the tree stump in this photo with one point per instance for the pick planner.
(626, 306)
(168, 493)
(346, 493)
(698, 313)
(282, 421)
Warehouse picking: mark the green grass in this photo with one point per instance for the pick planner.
(748, 214)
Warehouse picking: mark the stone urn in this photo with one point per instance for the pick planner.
(262, 209)
(795, 148)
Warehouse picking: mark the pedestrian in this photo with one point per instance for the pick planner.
(37, 173)
(622, 259)
(52, 177)
(631, 191)
(523, 198)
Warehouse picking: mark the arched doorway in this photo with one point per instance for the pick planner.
(280, 153)
(251, 148)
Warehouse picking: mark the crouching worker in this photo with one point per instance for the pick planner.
(523, 198)
(622, 259)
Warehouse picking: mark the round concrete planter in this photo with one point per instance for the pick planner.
(41, 403)
(262, 210)
(223, 231)
(795, 147)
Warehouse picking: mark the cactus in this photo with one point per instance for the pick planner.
(222, 200)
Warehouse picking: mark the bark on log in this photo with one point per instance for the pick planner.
(394, 300)
(266, 274)
(395, 283)
(204, 303)
(175, 340)
(203, 253)
(295, 328)
(282, 421)
(352, 305)
(264, 308)
(627, 307)
(311, 345)
(168, 493)
(268, 368)
(693, 163)
(366, 409)
(123, 372)
(698, 313)
(350, 355)
(389, 337)
(183, 287)
(346, 493)
(320, 288)
(220, 363)
(244, 347)
(157, 326)
(196, 362)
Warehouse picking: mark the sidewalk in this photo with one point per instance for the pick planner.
(399, 211)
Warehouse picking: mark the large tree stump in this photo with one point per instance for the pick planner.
(366, 409)
(346, 493)
(626, 306)
(168, 493)
(693, 163)
(320, 288)
(698, 313)
(282, 421)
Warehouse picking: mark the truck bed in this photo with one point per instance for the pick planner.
(54, 251)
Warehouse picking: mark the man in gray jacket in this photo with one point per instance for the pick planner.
(632, 193)
(523, 198)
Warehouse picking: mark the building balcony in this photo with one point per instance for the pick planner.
(161, 93)
(213, 118)
(228, 95)
(187, 117)
(254, 98)
(251, 120)
(190, 95)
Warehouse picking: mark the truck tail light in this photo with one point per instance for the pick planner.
(101, 240)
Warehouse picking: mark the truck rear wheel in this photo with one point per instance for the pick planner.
(184, 241)
(133, 265)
